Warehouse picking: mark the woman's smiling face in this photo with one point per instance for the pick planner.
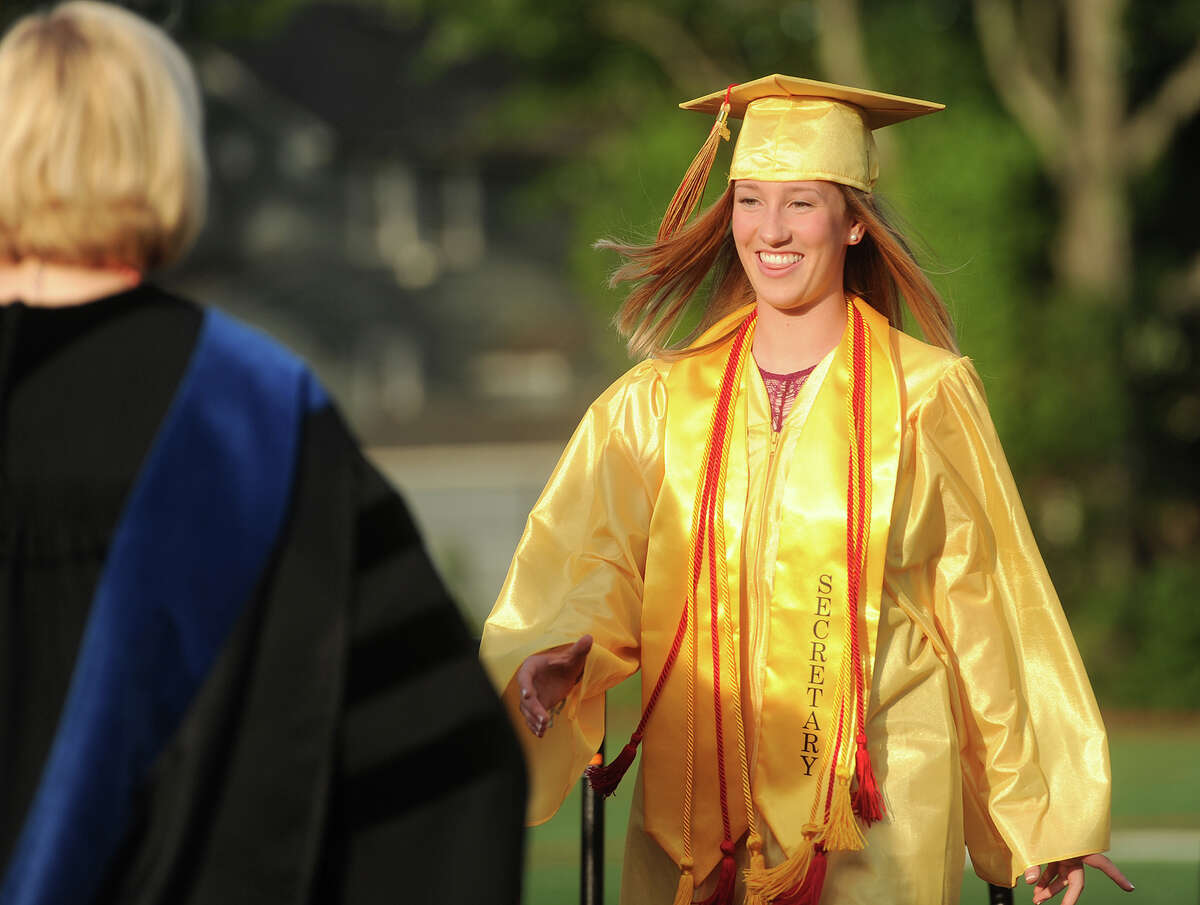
(791, 238)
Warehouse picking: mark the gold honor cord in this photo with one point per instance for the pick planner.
(711, 540)
(868, 801)
(604, 779)
(708, 533)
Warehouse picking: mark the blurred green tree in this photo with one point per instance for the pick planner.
(1061, 71)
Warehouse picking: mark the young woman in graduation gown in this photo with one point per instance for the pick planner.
(802, 530)
(219, 631)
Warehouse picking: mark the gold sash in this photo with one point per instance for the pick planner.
(807, 610)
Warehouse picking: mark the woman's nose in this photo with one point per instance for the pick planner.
(772, 228)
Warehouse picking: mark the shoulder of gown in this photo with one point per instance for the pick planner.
(584, 541)
(920, 367)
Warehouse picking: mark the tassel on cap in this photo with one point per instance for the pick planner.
(868, 800)
(604, 779)
(723, 894)
(687, 197)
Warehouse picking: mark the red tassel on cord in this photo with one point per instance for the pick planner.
(809, 892)
(604, 778)
(868, 800)
(723, 894)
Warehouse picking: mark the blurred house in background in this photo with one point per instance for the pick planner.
(350, 219)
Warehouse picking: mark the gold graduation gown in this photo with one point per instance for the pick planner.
(982, 724)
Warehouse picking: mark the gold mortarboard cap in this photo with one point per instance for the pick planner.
(793, 129)
(877, 109)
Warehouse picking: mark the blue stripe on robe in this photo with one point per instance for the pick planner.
(198, 529)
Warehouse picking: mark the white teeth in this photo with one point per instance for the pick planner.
(774, 259)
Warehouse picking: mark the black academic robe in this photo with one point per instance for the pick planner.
(343, 747)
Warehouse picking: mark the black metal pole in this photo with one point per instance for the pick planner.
(591, 853)
(999, 895)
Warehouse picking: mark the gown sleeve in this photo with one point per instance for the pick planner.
(1034, 755)
(579, 569)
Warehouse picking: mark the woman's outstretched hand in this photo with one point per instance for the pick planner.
(1068, 875)
(545, 678)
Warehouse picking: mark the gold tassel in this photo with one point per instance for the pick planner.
(772, 883)
(842, 833)
(690, 192)
(687, 886)
(757, 868)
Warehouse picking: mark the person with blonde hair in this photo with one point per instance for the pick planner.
(799, 525)
(218, 625)
(121, 183)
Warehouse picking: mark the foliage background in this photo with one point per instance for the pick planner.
(1054, 202)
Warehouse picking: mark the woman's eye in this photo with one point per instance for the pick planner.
(747, 201)
(801, 204)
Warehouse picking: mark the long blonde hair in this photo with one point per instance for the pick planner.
(669, 273)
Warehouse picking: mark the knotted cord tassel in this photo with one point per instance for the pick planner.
(723, 894)
(868, 800)
(757, 868)
(687, 885)
(775, 884)
(842, 833)
(687, 197)
(809, 892)
(605, 778)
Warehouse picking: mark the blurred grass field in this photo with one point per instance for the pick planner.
(1156, 776)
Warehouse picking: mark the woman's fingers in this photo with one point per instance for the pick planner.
(1069, 875)
(533, 703)
(544, 680)
(1073, 885)
(1046, 877)
(1044, 891)
(1102, 862)
(534, 714)
(1054, 879)
(532, 709)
